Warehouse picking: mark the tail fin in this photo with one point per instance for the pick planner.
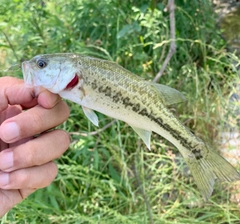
(211, 167)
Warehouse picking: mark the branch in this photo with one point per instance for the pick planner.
(172, 48)
(94, 132)
(10, 44)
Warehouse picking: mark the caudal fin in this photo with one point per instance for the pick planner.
(209, 168)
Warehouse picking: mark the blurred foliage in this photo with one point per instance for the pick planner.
(110, 177)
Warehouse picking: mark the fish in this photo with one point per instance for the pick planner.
(106, 87)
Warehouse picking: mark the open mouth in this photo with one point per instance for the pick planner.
(73, 82)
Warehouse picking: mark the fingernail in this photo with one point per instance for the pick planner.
(10, 131)
(4, 179)
(6, 159)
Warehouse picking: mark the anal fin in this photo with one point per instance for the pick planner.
(144, 135)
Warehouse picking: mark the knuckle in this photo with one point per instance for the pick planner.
(37, 122)
(65, 138)
(20, 178)
(61, 141)
(65, 111)
(30, 158)
(52, 173)
(54, 167)
(34, 177)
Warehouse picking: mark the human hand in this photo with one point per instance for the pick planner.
(26, 162)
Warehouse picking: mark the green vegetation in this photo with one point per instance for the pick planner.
(110, 176)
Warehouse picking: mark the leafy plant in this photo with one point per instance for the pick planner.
(109, 176)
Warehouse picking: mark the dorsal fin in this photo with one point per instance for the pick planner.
(169, 95)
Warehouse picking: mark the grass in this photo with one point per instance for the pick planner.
(110, 176)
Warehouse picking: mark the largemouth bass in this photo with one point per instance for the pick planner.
(116, 92)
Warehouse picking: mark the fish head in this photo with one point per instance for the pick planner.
(54, 72)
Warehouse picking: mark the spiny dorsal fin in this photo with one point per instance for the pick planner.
(169, 95)
(90, 114)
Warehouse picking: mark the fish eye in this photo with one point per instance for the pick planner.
(41, 64)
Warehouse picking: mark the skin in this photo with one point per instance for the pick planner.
(26, 162)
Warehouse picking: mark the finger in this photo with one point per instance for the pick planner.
(48, 100)
(9, 112)
(35, 152)
(44, 98)
(9, 198)
(32, 122)
(13, 91)
(3, 145)
(33, 177)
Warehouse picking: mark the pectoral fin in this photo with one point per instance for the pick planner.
(144, 135)
(90, 114)
(169, 95)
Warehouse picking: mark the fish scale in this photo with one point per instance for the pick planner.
(148, 100)
(108, 88)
